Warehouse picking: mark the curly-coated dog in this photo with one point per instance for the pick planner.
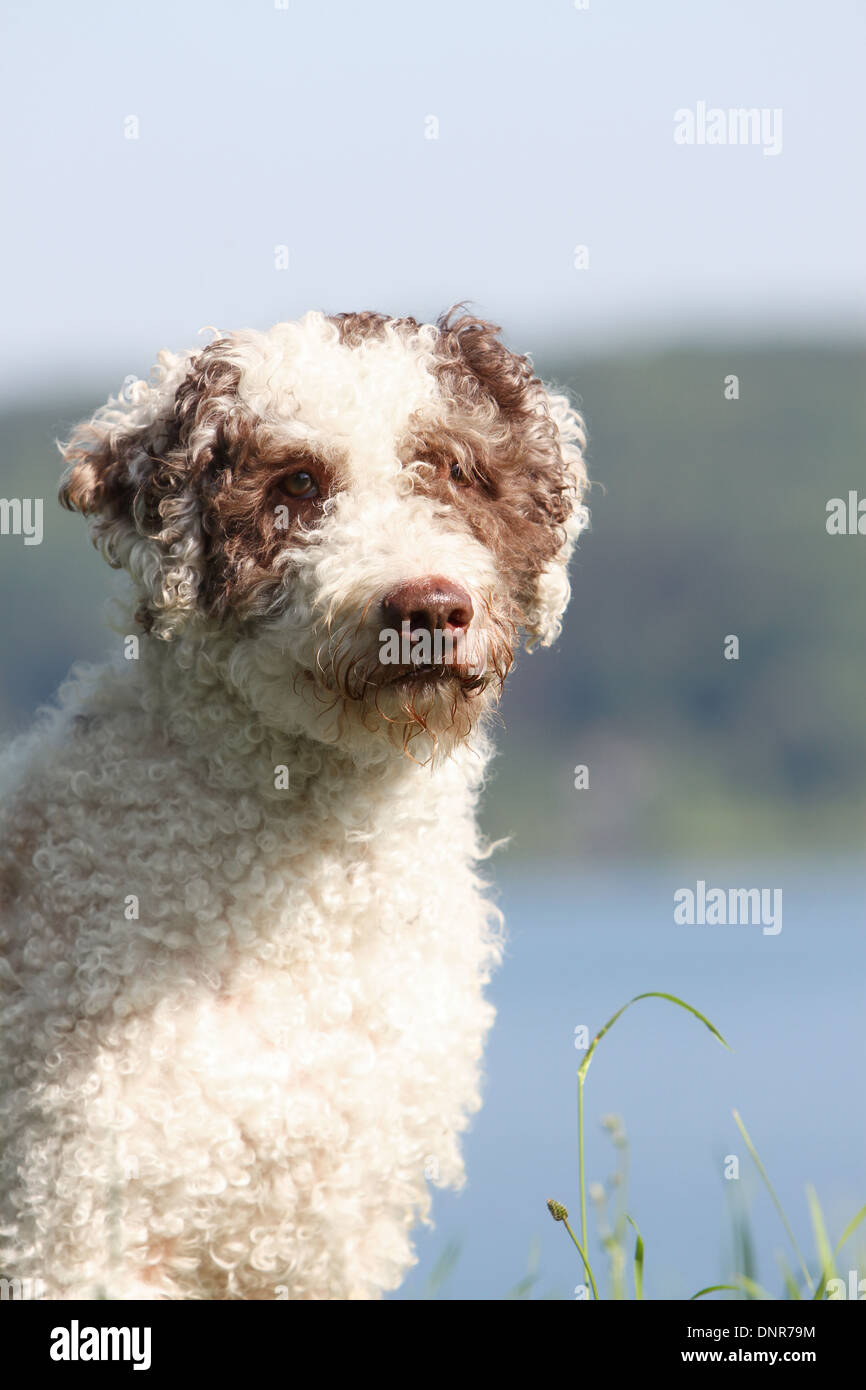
(245, 939)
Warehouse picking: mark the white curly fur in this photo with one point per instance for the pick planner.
(243, 1022)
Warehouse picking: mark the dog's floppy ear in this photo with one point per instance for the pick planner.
(534, 441)
(545, 610)
(132, 470)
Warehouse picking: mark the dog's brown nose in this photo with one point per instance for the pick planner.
(431, 604)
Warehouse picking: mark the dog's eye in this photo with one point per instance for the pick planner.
(458, 476)
(301, 485)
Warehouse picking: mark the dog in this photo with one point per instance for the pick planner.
(245, 933)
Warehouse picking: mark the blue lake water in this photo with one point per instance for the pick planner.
(791, 1005)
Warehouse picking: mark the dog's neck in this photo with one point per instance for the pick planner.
(189, 699)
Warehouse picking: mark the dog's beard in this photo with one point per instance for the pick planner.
(431, 704)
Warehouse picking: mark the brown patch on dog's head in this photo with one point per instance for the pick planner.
(355, 329)
(136, 470)
(502, 461)
(116, 466)
(506, 455)
(196, 499)
(249, 512)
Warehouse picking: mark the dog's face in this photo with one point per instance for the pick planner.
(368, 508)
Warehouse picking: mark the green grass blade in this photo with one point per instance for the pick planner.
(581, 1167)
(586, 1263)
(750, 1287)
(638, 1259)
(443, 1268)
(584, 1068)
(523, 1288)
(778, 1205)
(650, 994)
(744, 1246)
(681, 1003)
(850, 1229)
(791, 1285)
(822, 1242)
(714, 1288)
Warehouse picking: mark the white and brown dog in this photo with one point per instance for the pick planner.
(245, 941)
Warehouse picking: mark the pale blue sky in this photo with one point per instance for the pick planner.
(305, 126)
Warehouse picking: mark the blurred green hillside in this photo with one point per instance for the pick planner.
(708, 520)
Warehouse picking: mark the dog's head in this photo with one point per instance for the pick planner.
(368, 508)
